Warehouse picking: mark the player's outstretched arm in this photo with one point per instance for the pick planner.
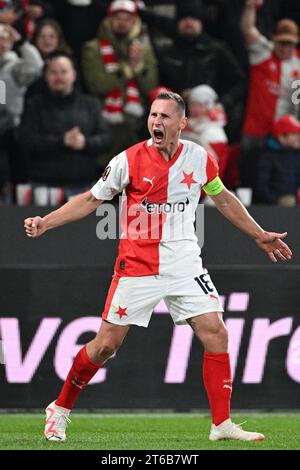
(270, 242)
(77, 208)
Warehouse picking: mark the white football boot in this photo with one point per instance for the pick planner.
(57, 419)
(229, 430)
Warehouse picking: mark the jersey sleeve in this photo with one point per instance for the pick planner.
(213, 185)
(113, 180)
(260, 50)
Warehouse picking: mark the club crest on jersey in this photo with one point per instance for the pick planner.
(164, 207)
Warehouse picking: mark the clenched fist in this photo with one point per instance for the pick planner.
(35, 226)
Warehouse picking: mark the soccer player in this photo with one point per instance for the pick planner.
(162, 178)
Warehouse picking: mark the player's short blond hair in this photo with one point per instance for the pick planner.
(170, 95)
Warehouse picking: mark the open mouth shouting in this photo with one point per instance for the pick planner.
(158, 136)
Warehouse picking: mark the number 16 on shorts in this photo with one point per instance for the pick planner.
(205, 283)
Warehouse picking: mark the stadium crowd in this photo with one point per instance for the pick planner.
(77, 78)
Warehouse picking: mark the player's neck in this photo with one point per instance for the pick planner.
(169, 152)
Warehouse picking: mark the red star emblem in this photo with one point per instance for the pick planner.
(188, 179)
(121, 312)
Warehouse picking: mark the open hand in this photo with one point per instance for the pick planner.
(272, 244)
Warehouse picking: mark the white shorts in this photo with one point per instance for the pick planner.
(131, 300)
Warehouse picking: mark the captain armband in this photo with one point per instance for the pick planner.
(214, 187)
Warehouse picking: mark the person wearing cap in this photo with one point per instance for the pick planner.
(119, 67)
(278, 172)
(206, 124)
(275, 65)
(195, 58)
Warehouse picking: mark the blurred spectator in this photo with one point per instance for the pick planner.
(159, 18)
(120, 69)
(17, 72)
(196, 59)
(63, 132)
(49, 40)
(274, 66)
(80, 20)
(278, 172)
(206, 124)
(222, 21)
(23, 14)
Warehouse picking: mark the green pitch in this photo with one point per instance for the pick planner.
(147, 432)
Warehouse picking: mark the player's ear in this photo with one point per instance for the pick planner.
(183, 123)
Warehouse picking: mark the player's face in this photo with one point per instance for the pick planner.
(165, 123)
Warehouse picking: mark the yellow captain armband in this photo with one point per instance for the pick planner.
(214, 187)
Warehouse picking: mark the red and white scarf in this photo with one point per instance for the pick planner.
(114, 104)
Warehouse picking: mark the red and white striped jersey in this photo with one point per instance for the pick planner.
(270, 87)
(158, 214)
